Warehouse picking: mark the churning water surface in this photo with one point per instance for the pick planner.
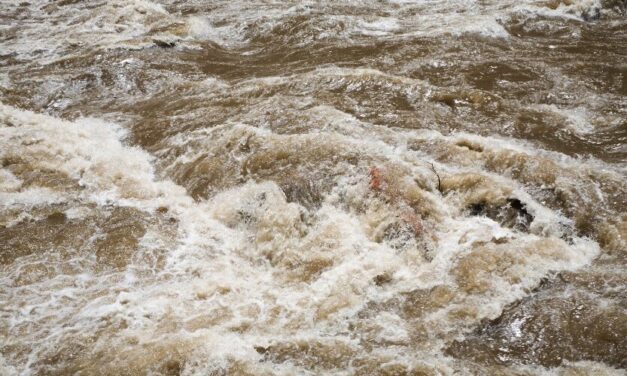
(258, 187)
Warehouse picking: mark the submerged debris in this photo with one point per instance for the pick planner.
(164, 43)
(513, 214)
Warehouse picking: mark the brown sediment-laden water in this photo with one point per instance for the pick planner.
(368, 187)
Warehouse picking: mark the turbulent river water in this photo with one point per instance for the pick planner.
(367, 187)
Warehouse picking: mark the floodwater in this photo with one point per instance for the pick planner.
(368, 187)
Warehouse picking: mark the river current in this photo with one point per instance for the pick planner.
(367, 187)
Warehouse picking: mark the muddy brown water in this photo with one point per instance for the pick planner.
(338, 188)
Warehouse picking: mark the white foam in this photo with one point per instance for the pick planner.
(380, 27)
(577, 119)
(88, 150)
(51, 34)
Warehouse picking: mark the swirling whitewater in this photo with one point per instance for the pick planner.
(338, 188)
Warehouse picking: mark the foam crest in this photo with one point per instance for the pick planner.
(89, 152)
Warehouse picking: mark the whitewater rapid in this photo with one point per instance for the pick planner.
(338, 188)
